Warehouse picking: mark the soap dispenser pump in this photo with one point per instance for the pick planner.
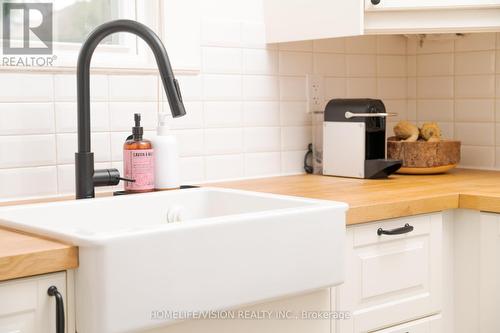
(167, 175)
(138, 160)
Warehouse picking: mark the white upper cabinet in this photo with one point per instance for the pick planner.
(294, 20)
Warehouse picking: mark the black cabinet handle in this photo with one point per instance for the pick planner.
(375, 2)
(52, 291)
(398, 231)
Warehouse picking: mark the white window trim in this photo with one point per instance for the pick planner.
(135, 58)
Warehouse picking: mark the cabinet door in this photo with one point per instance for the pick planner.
(426, 325)
(294, 20)
(25, 306)
(391, 279)
(489, 273)
(429, 4)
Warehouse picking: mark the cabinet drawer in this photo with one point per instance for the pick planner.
(25, 306)
(392, 279)
(429, 4)
(426, 325)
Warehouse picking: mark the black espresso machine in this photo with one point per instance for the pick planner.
(354, 139)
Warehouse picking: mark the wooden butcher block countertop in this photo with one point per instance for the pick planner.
(369, 200)
(400, 195)
(26, 255)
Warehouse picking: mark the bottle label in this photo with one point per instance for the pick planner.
(139, 165)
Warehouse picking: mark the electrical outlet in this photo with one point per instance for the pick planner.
(315, 93)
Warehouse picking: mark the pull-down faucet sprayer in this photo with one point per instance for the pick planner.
(86, 177)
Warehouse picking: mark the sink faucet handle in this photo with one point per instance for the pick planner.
(127, 179)
(106, 177)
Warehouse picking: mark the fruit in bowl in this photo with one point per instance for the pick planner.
(422, 153)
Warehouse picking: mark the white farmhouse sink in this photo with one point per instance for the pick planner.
(230, 248)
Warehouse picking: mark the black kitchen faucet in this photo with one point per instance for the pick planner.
(86, 177)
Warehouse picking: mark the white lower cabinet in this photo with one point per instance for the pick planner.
(432, 324)
(25, 306)
(391, 278)
(477, 272)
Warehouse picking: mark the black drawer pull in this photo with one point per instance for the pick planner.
(52, 291)
(398, 231)
(375, 2)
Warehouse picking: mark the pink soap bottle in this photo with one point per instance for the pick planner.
(138, 160)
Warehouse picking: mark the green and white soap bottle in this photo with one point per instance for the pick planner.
(167, 175)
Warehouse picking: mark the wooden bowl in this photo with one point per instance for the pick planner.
(422, 157)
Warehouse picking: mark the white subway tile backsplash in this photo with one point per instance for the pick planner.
(66, 121)
(392, 88)
(435, 64)
(122, 115)
(292, 162)
(262, 139)
(262, 164)
(65, 87)
(26, 118)
(219, 32)
(220, 167)
(66, 177)
(260, 114)
(391, 65)
(28, 182)
(435, 109)
(304, 46)
(67, 146)
(223, 141)
(253, 35)
(190, 86)
(329, 64)
(476, 156)
(361, 87)
(411, 91)
(223, 114)
(260, 88)
(391, 44)
(335, 88)
(222, 60)
(246, 110)
(497, 61)
(397, 106)
(222, 87)
(292, 88)
(19, 151)
(192, 119)
(329, 45)
(361, 66)
(475, 63)
(475, 134)
(477, 86)
(295, 63)
(411, 65)
(476, 42)
(257, 61)
(192, 169)
(133, 87)
(295, 138)
(294, 114)
(411, 109)
(435, 46)
(361, 45)
(16, 87)
(190, 142)
(435, 87)
(475, 110)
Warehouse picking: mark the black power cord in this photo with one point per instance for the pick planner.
(308, 168)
